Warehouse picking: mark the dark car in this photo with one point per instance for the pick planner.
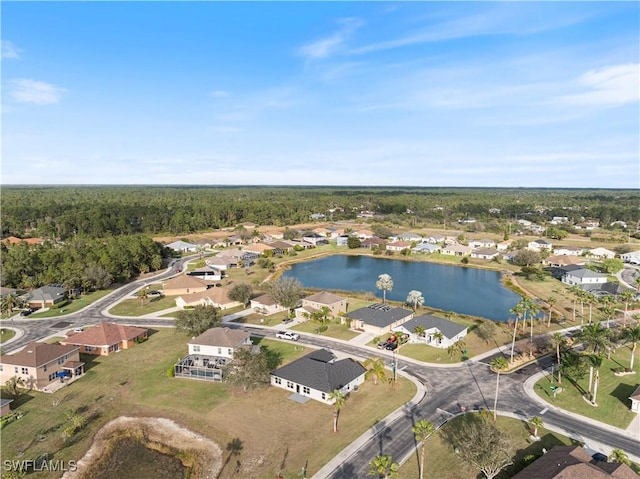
(27, 312)
(390, 346)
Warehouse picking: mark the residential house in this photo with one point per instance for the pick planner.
(563, 260)
(12, 241)
(588, 225)
(319, 373)
(364, 234)
(342, 240)
(632, 257)
(302, 244)
(373, 242)
(217, 297)
(207, 273)
(323, 231)
(457, 250)
(239, 256)
(482, 243)
(41, 364)
(413, 237)
(318, 216)
(184, 284)
(7, 291)
(485, 253)
(540, 244)
(182, 246)
(266, 305)
(426, 248)
(583, 276)
(281, 247)
(398, 245)
(436, 239)
(221, 263)
(259, 249)
(558, 220)
(568, 462)
(438, 332)
(106, 338)
(47, 296)
(272, 234)
(235, 240)
(209, 352)
(378, 318)
(568, 251)
(336, 304)
(536, 229)
(524, 222)
(635, 400)
(315, 239)
(504, 245)
(601, 253)
(5, 406)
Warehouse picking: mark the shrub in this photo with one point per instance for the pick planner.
(171, 372)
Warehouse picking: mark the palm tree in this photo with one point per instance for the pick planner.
(458, 347)
(597, 338)
(537, 423)
(551, 300)
(419, 331)
(375, 369)
(338, 398)
(498, 364)
(438, 336)
(627, 296)
(13, 385)
(557, 341)
(415, 299)
(8, 304)
(518, 310)
(383, 466)
(619, 456)
(533, 309)
(590, 299)
(422, 430)
(385, 283)
(142, 295)
(575, 291)
(633, 335)
(595, 364)
(608, 311)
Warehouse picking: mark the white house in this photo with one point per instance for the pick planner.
(485, 253)
(222, 263)
(206, 273)
(378, 318)
(426, 248)
(437, 332)
(318, 374)
(457, 250)
(336, 304)
(435, 239)
(217, 297)
(601, 253)
(182, 246)
(583, 276)
(219, 342)
(504, 245)
(398, 245)
(635, 400)
(632, 257)
(568, 251)
(482, 243)
(539, 245)
(266, 305)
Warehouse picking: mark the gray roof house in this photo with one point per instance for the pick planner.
(583, 276)
(426, 248)
(379, 318)
(182, 246)
(451, 332)
(47, 296)
(318, 374)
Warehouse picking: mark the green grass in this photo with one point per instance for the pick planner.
(613, 392)
(338, 331)
(135, 307)
(6, 334)
(134, 382)
(74, 305)
(441, 461)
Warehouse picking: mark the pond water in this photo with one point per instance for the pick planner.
(129, 458)
(463, 290)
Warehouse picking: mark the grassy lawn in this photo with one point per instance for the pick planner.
(272, 429)
(613, 392)
(74, 305)
(6, 334)
(134, 307)
(256, 318)
(338, 331)
(441, 461)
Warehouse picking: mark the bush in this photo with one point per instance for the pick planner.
(171, 372)
(465, 260)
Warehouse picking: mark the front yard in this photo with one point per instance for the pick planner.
(135, 307)
(134, 382)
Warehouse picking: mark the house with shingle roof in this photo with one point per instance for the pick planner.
(482, 243)
(583, 276)
(558, 261)
(259, 249)
(47, 296)
(573, 462)
(398, 245)
(106, 338)
(182, 246)
(184, 284)
(318, 374)
(539, 245)
(12, 241)
(265, 304)
(217, 297)
(601, 253)
(41, 364)
(336, 304)
(426, 248)
(457, 250)
(208, 273)
(378, 318)
(568, 251)
(485, 253)
(433, 327)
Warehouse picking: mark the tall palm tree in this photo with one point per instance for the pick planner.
(558, 341)
(597, 338)
(575, 292)
(142, 295)
(551, 300)
(8, 303)
(627, 296)
(385, 283)
(537, 423)
(415, 299)
(438, 336)
(608, 312)
(498, 364)
(375, 369)
(383, 466)
(338, 398)
(595, 364)
(422, 430)
(590, 299)
(533, 309)
(518, 310)
(633, 335)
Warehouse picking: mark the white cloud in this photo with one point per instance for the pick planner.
(9, 50)
(219, 94)
(36, 92)
(331, 44)
(613, 85)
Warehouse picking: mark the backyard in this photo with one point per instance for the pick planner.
(134, 382)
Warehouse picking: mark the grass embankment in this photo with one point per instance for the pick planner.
(275, 432)
(613, 392)
(136, 307)
(6, 334)
(441, 461)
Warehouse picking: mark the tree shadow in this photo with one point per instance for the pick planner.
(234, 448)
(535, 450)
(274, 358)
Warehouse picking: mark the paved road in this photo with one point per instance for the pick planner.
(448, 390)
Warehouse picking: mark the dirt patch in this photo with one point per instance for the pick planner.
(201, 454)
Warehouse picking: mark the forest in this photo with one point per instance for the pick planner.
(62, 212)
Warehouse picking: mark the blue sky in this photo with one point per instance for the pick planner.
(527, 94)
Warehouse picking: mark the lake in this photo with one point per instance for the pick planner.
(472, 291)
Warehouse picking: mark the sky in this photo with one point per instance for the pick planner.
(478, 94)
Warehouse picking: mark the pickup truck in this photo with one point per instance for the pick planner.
(287, 335)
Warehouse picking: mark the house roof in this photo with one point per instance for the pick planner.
(380, 315)
(372, 241)
(180, 245)
(6, 291)
(485, 251)
(48, 293)
(565, 259)
(216, 295)
(5, 401)
(12, 240)
(105, 334)
(586, 273)
(265, 299)
(36, 354)
(220, 261)
(185, 281)
(426, 246)
(259, 248)
(223, 337)
(324, 298)
(636, 394)
(541, 241)
(400, 244)
(281, 245)
(458, 248)
(231, 253)
(448, 328)
(320, 371)
(573, 462)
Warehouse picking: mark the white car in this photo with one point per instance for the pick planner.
(287, 335)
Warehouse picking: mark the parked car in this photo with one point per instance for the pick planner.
(390, 346)
(78, 330)
(287, 320)
(27, 312)
(287, 335)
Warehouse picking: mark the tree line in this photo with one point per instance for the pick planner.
(64, 212)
